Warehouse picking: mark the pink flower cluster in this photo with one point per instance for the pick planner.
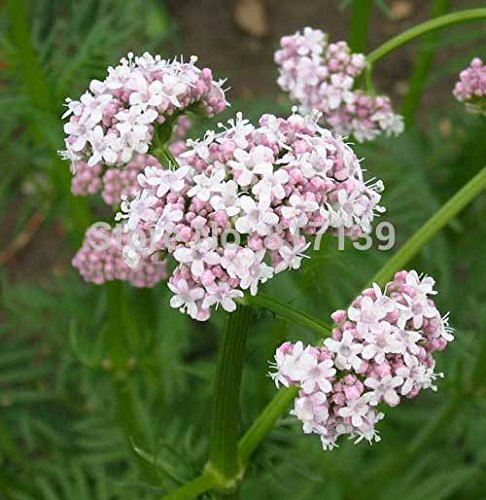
(243, 203)
(117, 117)
(116, 183)
(100, 259)
(381, 350)
(321, 76)
(113, 182)
(471, 87)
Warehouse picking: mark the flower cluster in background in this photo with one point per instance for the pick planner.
(471, 87)
(381, 350)
(100, 260)
(243, 203)
(114, 182)
(116, 118)
(321, 76)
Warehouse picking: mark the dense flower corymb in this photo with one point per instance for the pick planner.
(381, 350)
(116, 183)
(243, 204)
(117, 117)
(471, 87)
(100, 260)
(321, 76)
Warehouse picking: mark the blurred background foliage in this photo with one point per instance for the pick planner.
(76, 425)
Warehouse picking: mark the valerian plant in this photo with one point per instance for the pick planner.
(223, 214)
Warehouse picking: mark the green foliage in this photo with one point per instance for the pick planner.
(73, 427)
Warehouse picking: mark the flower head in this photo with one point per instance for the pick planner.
(321, 76)
(379, 353)
(115, 182)
(118, 117)
(104, 254)
(471, 87)
(243, 205)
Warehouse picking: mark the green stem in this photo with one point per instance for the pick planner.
(223, 457)
(451, 208)
(360, 24)
(265, 422)
(284, 311)
(128, 410)
(115, 338)
(422, 65)
(424, 28)
(193, 489)
(170, 157)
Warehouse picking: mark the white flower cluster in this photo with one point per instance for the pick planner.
(321, 76)
(243, 204)
(117, 117)
(380, 351)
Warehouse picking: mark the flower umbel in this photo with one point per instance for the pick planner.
(118, 117)
(471, 87)
(321, 76)
(381, 350)
(244, 203)
(105, 254)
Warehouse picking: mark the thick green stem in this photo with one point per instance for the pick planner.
(360, 24)
(460, 200)
(223, 457)
(422, 65)
(265, 422)
(424, 28)
(284, 311)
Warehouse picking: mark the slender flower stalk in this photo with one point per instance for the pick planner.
(449, 210)
(284, 311)
(193, 489)
(424, 28)
(265, 423)
(223, 457)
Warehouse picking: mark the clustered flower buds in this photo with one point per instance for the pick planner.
(116, 183)
(243, 203)
(113, 182)
(321, 76)
(471, 87)
(117, 117)
(381, 350)
(100, 259)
